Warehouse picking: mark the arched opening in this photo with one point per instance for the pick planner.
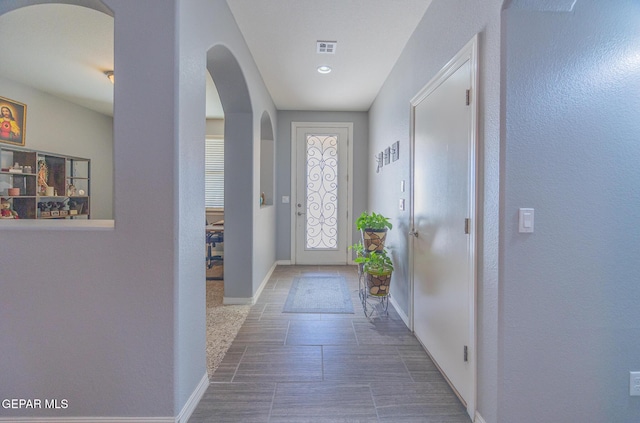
(238, 178)
(64, 50)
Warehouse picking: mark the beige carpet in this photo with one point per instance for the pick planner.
(215, 272)
(223, 324)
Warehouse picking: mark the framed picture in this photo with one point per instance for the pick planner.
(13, 121)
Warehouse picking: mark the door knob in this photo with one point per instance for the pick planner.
(300, 213)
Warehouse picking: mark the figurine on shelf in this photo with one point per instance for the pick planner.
(43, 176)
(6, 211)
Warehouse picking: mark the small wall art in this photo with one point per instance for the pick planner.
(395, 151)
(13, 121)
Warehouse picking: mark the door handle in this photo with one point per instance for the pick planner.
(300, 213)
(413, 233)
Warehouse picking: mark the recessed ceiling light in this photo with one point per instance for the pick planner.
(324, 69)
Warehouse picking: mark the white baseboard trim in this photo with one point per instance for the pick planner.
(264, 283)
(87, 419)
(237, 301)
(252, 300)
(183, 417)
(401, 313)
(284, 262)
(478, 418)
(193, 400)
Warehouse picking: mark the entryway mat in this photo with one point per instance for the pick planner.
(319, 294)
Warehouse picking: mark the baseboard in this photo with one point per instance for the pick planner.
(183, 417)
(87, 419)
(237, 301)
(264, 283)
(401, 313)
(193, 400)
(284, 262)
(478, 418)
(252, 300)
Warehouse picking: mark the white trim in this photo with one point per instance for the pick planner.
(264, 283)
(57, 225)
(293, 190)
(87, 420)
(252, 300)
(237, 301)
(478, 418)
(183, 417)
(403, 316)
(194, 399)
(283, 262)
(468, 53)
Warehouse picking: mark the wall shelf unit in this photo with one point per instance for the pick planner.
(42, 185)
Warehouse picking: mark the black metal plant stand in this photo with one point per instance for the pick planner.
(377, 304)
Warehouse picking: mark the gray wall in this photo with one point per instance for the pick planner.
(361, 159)
(207, 27)
(446, 27)
(113, 318)
(83, 133)
(570, 317)
(88, 314)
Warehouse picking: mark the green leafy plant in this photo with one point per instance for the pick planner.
(376, 263)
(358, 248)
(372, 221)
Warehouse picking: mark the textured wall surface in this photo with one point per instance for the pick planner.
(446, 27)
(570, 289)
(112, 317)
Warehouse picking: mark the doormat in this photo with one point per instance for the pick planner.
(319, 294)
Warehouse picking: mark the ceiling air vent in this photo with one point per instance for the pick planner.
(326, 47)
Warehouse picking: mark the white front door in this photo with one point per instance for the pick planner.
(321, 202)
(443, 223)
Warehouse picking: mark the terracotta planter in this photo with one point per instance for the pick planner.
(378, 285)
(373, 239)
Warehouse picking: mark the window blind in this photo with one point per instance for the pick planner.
(214, 173)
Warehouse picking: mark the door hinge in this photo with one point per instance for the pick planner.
(468, 98)
(466, 353)
(467, 225)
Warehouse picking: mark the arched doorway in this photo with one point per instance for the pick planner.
(238, 186)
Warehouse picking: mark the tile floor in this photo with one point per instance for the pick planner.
(285, 367)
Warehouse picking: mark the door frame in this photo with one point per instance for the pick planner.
(293, 186)
(468, 53)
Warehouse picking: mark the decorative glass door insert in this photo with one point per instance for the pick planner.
(321, 192)
(320, 183)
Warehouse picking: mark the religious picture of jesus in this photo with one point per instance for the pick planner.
(13, 119)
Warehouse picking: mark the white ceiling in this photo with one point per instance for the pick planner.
(64, 50)
(282, 36)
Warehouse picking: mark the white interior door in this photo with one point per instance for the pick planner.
(443, 215)
(321, 203)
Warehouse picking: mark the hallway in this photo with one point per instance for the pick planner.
(285, 367)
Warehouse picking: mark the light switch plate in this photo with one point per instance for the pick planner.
(634, 384)
(402, 204)
(285, 199)
(525, 220)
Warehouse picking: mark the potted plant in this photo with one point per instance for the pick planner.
(373, 227)
(359, 250)
(377, 266)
